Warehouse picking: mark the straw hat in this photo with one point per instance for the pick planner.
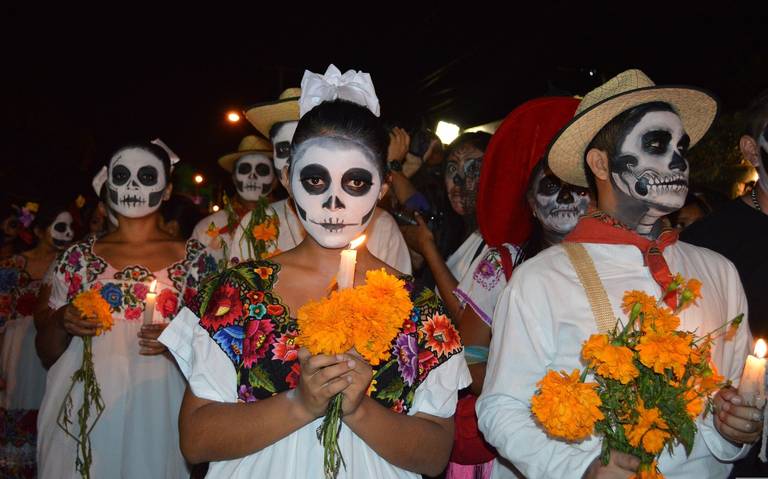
(697, 109)
(249, 144)
(263, 115)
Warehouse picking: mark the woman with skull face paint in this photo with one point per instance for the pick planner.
(136, 434)
(505, 217)
(249, 426)
(20, 368)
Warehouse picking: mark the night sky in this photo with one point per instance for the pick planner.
(77, 82)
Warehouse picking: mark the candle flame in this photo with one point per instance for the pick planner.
(761, 348)
(356, 242)
(153, 286)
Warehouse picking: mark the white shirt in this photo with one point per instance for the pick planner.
(540, 323)
(299, 455)
(385, 241)
(234, 244)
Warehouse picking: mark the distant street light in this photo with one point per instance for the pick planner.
(215, 208)
(233, 117)
(198, 178)
(447, 132)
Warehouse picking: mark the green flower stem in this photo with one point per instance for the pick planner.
(328, 435)
(91, 398)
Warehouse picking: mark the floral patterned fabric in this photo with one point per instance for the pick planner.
(126, 290)
(142, 394)
(18, 292)
(250, 324)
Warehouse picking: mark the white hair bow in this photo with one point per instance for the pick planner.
(352, 86)
(101, 176)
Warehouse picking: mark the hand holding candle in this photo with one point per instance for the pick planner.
(345, 278)
(149, 303)
(752, 385)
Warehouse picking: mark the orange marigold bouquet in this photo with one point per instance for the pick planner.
(366, 318)
(95, 308)
(651, 382)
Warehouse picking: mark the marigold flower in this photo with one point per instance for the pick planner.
(661, 319)
(95, 308)
(648, 471)
(664, 351)
(566, 407)
(615, 362)
(266, 231)
(648, 420)
(647, 303)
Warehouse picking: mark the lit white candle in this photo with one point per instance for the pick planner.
(149, 303)
(345, 278)
(752, 384)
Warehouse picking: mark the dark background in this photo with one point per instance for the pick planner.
(78, 81)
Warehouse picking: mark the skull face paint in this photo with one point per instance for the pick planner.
(558, 205)
(136, 183)
(335, 186)
(650, 164)
(281, 144)
(253, 176)
(462, 175)
(61, 230)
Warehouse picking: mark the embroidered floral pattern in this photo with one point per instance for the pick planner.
(18, 291)
(126, 290)
(242, 315)
(489, 270)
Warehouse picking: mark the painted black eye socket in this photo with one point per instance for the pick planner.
(451, 168)
(357, 181)
(244, 168)
(148, 175)
(472, 167)
(315, 179)
(120, 175)
(60, 227)
(283, 149)
(262, 169)
(549, 186)
(656, 142)
(683, 145)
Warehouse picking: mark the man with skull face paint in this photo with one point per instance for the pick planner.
(228, 233)
(141, 386)
(229, 418)
(20, 368)
(277, 120)
(739, 231)
(631, 137)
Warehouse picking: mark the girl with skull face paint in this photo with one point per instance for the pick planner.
(141, 386)
(23, 376)
(336, 177)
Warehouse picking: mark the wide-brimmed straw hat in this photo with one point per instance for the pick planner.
(249, 144)
(264, 115)
(696, 107)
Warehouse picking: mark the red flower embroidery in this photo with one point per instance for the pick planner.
(5, 305)
(292, 380)
(427, 361)
(442, 337)
(223, 309)
(398, 406)
(263, 271)
(409, 326)
(275, 310)
(286, 349)
(140, 291)
(25, 304)
(75, 281)
(189, 295)
(258, 338)
(132, 312)
(167, 303)
(255, 297)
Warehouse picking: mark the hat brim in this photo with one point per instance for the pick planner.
(228, 161)
(696, 107)
(264, 115)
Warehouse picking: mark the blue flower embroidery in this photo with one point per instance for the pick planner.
(112, 294)
(230, 339)
(257, 310)
(8, 279)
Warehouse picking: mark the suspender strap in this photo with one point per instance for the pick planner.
(593, 287)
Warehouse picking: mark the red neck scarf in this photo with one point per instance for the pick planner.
(599, 227)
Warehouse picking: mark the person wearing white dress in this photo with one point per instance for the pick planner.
(141, 387)
(255, 399)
